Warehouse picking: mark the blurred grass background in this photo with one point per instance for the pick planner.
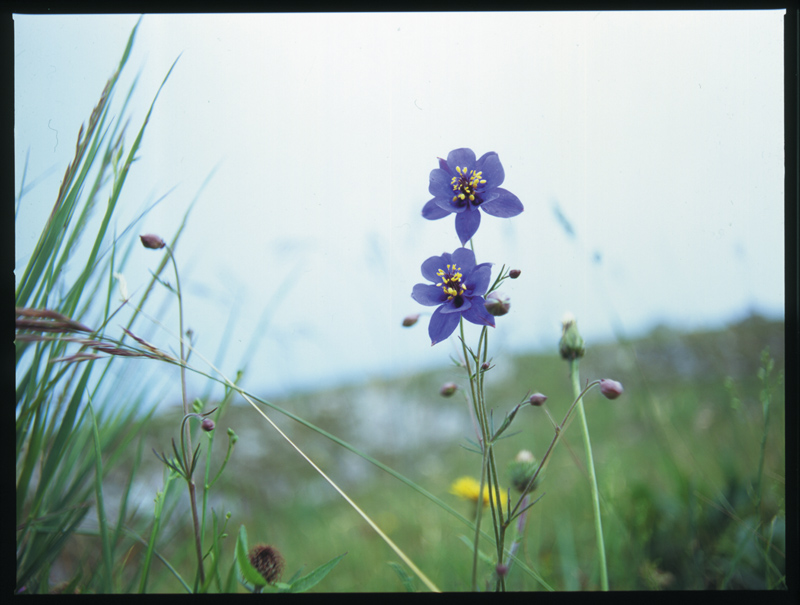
(677, 460)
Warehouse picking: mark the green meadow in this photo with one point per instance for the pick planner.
(677, 457)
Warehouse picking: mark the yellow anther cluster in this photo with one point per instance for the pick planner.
(466, 184)
(451, 281)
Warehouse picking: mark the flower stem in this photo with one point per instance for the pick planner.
(598, 524)
(186, 430)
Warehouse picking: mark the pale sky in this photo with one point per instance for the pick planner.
(659, 136)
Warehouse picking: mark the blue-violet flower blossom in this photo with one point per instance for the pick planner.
(463, 185)
(458, 288)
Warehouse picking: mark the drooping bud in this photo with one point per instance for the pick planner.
(267, 561)
(497, 303)
(571, 345)
(537, 399)
(207, 425)
(152, 241)
(410, 320)
(514, 273)
(448, 388)
(611, 389)
(521, 471)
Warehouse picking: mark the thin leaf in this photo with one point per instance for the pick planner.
(314, 577)
(248, 572)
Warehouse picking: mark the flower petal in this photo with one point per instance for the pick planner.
(493, 173)
(439, 184)
(428, 295)
(433, 264)
(442, 325)
(432, 211)
(463, 157)
(449, 205)
(504, 205)
(467, 224)
(478, 282)
(449, 307)
(464, 258)
(478, 314)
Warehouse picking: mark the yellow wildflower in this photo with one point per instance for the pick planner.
(468, 489)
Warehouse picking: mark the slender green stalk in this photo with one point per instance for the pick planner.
(598, 524)
(151, 544)
(101, 510)
(186, 432)
(482, 442)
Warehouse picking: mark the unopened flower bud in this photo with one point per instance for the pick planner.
(571, 345)
(537, 399)
(522, 470)
(497, 303)
(524, 456)
(485, 366)
(611, 389)
(410, 320)
(501, 569)
(152, 241)
(448, 388)
(267, 561)
(207, 425)
(514, 273)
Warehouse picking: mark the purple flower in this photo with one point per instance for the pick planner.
(463, 185)
(458, 288)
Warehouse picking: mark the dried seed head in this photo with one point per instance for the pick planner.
(267, 561)
(611, 389)
(152, 241)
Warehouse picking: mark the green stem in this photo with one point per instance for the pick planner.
(598, 524)
(187, 431)
(480, 420)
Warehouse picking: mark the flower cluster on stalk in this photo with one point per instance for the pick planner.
(463, 185)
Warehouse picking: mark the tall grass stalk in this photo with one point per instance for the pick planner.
(574, 372)
(64, 447)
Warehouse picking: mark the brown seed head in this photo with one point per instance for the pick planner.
(267, 561)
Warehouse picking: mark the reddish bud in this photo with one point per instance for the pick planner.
(152, 241)
(537, 399)
(497, 303)
(207, 425)
(410, 320)
(514, 273)
(611, 389)
(448, 389)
